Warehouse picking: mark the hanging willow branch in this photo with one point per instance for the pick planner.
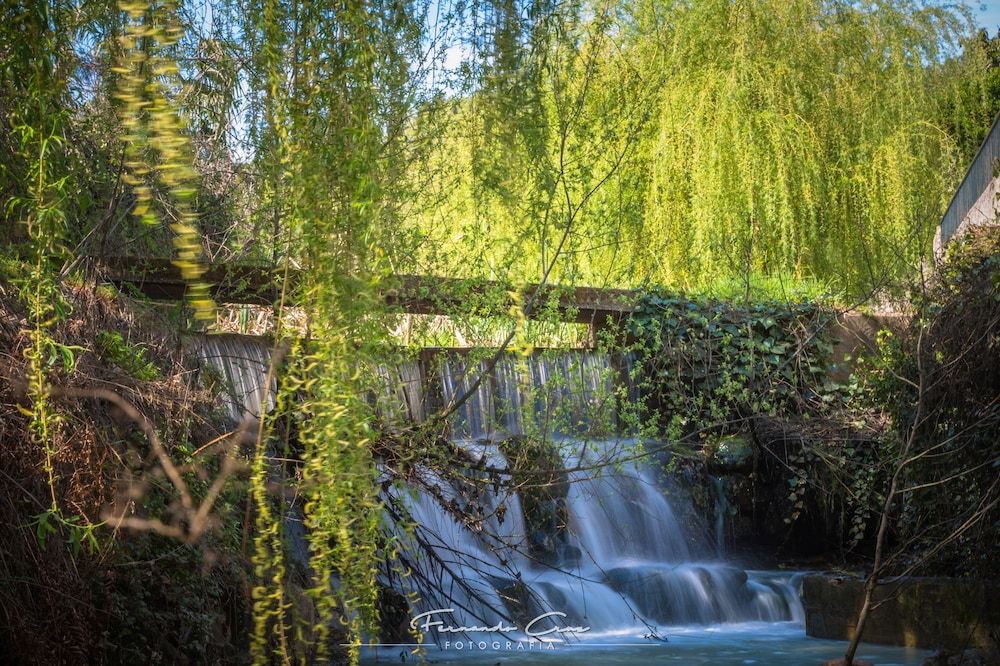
(157, 147)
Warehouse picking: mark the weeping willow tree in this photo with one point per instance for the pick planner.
(530, 162)
(808, 140)
(158, 148)
(582, 142)
(335, 78)
(35, 179)
(798, 138)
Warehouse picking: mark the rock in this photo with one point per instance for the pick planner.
(841, 662)
(569, 555)
(393, 616)
(537, 470)
(520, 603)
(649, 590)
(732, 454)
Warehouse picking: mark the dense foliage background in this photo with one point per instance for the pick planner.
(688, 145)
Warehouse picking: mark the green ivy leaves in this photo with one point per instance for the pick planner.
(714, 361)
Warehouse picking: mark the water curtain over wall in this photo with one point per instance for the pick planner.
(542, 395)
(598, 540)
(240, 364)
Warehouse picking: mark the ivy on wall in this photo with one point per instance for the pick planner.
(709, 371)
(704, 362)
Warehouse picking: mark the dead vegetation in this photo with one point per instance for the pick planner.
(73, 588)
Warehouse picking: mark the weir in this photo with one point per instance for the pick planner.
(599, 539)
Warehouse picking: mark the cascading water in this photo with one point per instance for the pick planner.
(628, 563)
(625, 563)
(243, 363)
(398, 399)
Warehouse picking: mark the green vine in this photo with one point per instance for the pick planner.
(709, 362)
(45, 223)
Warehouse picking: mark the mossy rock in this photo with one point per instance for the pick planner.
(730, 455)
(537, 471)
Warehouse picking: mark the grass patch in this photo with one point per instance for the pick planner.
(130, 358)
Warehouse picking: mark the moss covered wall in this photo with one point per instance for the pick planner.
(916, 612)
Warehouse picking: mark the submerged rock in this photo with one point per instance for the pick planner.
(520, 601)
(697, 594)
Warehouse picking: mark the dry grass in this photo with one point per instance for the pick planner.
(54, 604)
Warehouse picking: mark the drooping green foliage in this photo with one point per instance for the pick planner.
(533, 163)
(330, 143)
(37, 181)
(800, 138)
(804, 140)
(157, 145)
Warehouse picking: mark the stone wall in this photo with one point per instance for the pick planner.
(917, 612)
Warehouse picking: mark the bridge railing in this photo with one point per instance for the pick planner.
(977, 180)
(158, 279)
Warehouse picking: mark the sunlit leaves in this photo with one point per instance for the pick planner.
(159, 155)
(329, 136)
(800, 138)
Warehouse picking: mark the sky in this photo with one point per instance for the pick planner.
(988, 14)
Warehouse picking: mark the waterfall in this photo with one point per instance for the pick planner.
(242, 362)
(398, 398)
(622, 516)
(628, 561)
(474, 419)
(721, 507)
(606, 544)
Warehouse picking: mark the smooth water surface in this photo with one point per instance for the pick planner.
(763, 643)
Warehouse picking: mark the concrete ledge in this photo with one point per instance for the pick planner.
(916, 612)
